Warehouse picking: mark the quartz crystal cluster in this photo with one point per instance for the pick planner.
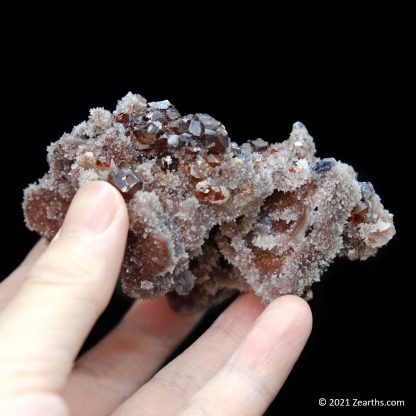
(209, 217)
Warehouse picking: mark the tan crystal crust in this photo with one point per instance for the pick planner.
(208, 216)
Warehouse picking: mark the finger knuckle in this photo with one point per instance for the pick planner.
(68, 271)
(70, 274)
(35, 403)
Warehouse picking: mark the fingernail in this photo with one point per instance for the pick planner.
(93, 207)
(56, 236)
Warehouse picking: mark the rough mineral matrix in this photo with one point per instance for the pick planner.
(208, 216)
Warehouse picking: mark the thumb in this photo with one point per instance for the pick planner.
(67, 288)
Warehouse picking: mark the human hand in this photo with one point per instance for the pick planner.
(50, 302)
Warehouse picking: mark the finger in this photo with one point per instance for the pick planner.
(67, 289)
(259, 366)
(185, 375)
(115, 368)
(10, 285)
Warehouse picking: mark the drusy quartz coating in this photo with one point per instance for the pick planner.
(208, 216)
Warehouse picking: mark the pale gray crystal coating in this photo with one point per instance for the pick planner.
(209, 217)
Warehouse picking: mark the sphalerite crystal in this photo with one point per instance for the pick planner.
(208, 216)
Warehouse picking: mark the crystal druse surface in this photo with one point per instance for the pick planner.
(209, 217)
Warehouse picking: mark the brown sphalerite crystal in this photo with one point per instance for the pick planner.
(208, 216)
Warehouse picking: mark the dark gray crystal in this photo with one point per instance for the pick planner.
(185, 283)
(124, 179)
(195, 128)
(367, 190)
(324, 165)
(208, 121)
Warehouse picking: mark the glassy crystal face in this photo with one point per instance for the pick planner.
(209, 217)
(124, 180)
(324, 165)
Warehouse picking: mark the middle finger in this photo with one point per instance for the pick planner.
(185, 375)
(125, 359)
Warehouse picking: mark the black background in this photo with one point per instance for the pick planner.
(353, 98)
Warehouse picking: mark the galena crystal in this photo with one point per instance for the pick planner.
(209, 217)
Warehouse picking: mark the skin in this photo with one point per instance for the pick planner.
(50, 302)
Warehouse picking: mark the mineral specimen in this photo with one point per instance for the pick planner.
(208, 216)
